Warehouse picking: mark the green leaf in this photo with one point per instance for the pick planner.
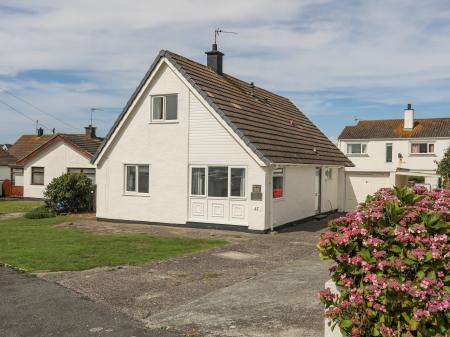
(413, 324)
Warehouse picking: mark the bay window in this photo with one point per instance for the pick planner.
(137, 179)
(218, 181)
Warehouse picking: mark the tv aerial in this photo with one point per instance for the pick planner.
(92, 112)
(219, 31)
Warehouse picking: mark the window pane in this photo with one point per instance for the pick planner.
(354, 148)
(415, 148)
(431, 148)
(363, 148)
(218, 181)
(423, 148)
(143, 178)
(158, 103)
(389, 153)
(73, 170)
(131, 178)
(37, 177)
(171, 107)
(237, 182)
(277, 187)
(198, 181)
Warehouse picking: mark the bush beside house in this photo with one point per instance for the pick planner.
(393, 262)
(443, 169)
(69, 193)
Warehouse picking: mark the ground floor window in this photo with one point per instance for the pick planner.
(278, 183)
(37, 176)
(17, 177)
(221, 182)
(137, 178)
(89, 172)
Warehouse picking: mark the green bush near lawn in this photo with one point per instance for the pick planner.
(37, 245)
(40, 213)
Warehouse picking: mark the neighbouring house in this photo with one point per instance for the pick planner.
(196, 146)
(6, 159)
(392, 152)
(40, 158)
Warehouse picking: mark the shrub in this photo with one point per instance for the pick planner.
(40, 213)
(70, 192)
(393, 262)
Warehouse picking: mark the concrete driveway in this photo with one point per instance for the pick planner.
(259, 285)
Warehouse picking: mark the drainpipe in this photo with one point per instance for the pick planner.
(270, 196)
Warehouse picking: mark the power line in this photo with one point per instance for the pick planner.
(24, 115)
(38, 109)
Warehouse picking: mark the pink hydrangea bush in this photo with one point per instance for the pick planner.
(393, 262)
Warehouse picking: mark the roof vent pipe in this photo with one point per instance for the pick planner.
(215, 59)
(409, 118)
(252, 89)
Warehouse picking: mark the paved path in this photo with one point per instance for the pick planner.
(8, 216)
(36, 308)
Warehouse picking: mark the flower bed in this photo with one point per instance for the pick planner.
(393, 262)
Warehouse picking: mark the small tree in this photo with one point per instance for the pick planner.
(443, 169)
(70, 192)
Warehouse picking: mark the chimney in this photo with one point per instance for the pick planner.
(90, 131)
(409, 118)
(215, 59)
(252, 88)
(40, 132)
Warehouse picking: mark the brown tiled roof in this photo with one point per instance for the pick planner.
(6, 158)
(271, 125)
(393, 128)
(27, 144)
(87, 146)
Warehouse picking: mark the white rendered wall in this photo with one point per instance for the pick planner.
(55, 160)
(163, 146)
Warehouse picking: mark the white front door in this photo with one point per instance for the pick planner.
(218, 195)
(317, 189)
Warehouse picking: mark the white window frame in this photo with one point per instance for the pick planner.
(163, 120)
(422, 153)
(283, 188)
(392, 152)
(206, 167)
(135, 193)
(363, 144)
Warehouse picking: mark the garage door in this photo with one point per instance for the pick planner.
(359, 185)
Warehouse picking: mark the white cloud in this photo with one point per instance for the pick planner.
(375, 51)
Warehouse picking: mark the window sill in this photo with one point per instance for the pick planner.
(164, 122)
(357, 155)
(279, 199)
(422, 155)
(136, 194)
(37, 184)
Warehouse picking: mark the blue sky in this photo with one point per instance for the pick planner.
(336, 60)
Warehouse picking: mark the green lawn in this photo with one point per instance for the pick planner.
(15, 206)
(37, 245)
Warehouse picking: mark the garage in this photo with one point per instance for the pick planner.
(359, 184)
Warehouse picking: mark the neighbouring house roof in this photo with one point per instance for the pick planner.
(271, 125)
(6, 158)
(27, 144)
(393, 128)
(81, 143)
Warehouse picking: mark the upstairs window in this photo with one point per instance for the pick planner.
(165, 108)
(278, 183)
(417, 148)
(388, 152)
(357, 148)
(137, 179)
(37, 176)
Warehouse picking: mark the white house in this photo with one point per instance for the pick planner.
(390, 153)
(198, 147)
(56, 155)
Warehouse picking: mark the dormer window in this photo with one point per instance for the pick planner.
(164, 108)
(357, 148)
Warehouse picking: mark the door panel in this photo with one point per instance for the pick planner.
(198, 208)
(218, 210)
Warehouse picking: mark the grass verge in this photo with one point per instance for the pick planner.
(36, 245)
(16, 206)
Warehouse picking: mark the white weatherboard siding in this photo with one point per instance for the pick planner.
(211, 144)
(164, 146)
(55, 160)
